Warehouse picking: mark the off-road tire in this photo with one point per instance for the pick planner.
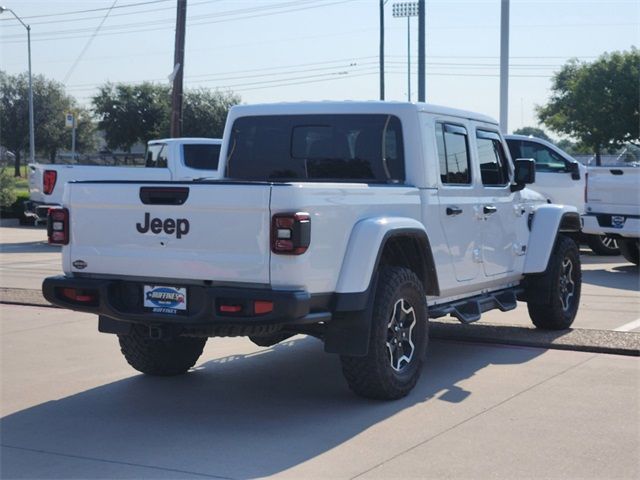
(603, 245)
(162, 357)
(548, 301)
(630, 249)
(372, 376)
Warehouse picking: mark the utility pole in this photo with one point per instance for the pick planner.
(178, 70)
(421, 51)
(382, 2)
(504, 66)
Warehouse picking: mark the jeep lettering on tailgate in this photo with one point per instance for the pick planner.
(179, 226)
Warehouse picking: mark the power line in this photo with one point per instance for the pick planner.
(88, 44)
(75, 12)
(123, 14)
(135, 28)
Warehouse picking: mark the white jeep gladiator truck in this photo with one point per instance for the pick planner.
(165, 159)
(353, 222)
(613, 207)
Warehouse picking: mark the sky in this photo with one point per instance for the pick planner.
(284, 50)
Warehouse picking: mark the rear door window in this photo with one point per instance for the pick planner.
(453, 154)
(341, 148)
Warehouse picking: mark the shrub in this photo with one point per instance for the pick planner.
(7, 189)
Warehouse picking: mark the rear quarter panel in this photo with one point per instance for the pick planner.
(335, 209)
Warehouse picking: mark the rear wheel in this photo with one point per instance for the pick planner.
(397, 341)
(630, 249)
(164, 356)
(603, 245)
(554, 296)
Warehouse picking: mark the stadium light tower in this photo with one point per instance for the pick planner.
(401, 10)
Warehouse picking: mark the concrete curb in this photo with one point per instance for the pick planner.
(23, 296)
(582, 340)
(578, 339)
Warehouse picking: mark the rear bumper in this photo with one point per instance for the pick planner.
(37, 210)
(123, 300)
(601, 223)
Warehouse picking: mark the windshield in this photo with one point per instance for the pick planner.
(338, 148)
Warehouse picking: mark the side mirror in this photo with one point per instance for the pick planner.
(574, 169)
(524, 174)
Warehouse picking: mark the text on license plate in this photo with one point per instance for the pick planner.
(164, 299)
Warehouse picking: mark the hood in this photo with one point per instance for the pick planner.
(531, 196)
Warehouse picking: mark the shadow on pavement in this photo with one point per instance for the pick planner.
(243, 416)
(624, 277)
(588, 258)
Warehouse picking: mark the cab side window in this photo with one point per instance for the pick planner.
(546, 159)
(494, 168)
(453, 154)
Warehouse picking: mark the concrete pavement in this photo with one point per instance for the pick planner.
(73, 408)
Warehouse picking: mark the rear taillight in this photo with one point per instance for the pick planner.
(58, 226)
(49, 181)
(79, 296)
(290, 233)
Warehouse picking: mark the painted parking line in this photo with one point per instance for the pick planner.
(627, 327)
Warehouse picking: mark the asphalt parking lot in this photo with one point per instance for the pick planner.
(72, 407)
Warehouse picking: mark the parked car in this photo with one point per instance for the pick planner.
(348, 221)
(166, 159)
(561, 179)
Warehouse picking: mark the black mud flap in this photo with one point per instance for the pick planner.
(348, 332)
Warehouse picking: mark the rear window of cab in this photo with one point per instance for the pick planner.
(341, 148)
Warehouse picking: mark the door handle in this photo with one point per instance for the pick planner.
(453, 211)
(489, 209)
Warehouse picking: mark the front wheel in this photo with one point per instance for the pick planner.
(630, 249)
(397, 341)
(553, 297)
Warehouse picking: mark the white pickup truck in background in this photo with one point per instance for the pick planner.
(560, 179)
(613, 207)
(165, 159)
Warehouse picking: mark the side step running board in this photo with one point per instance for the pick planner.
(471, 309)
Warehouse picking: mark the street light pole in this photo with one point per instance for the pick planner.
(32, 147)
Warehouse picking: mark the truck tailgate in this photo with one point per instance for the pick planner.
(614, 190)
(219, 232)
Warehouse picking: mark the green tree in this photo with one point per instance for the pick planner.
(534, 132)
(596, 103)
(7, 189)
(50, 104)
(132, 113)
(205, 112)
